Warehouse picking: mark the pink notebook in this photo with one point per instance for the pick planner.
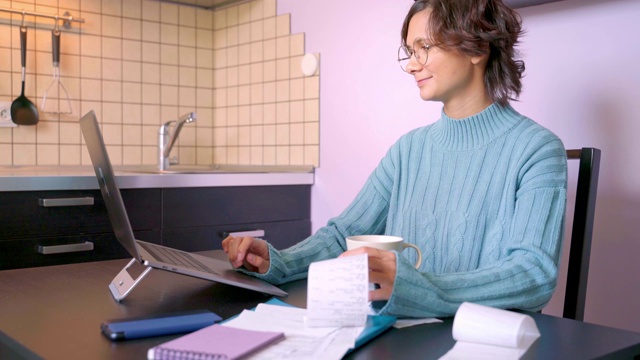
(215, 342)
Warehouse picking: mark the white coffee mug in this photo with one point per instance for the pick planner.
(382, 242)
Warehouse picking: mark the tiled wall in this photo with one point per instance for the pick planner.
(139, 63)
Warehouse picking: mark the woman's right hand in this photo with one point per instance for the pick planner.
(249, 252)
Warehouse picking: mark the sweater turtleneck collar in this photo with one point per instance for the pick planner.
(474, 131)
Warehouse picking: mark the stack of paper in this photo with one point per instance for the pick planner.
(301, 341)
(336, 314)
(335, 322)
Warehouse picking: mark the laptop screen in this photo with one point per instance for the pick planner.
(107, 181)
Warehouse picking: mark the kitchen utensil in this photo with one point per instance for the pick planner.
(53, 90)
(23, 111)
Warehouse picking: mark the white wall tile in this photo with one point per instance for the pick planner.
(257, 10)
(151, 10)
(269, 8)
(151, 31)
(232, 16)
(48, 154)
(220, 19)
(150, 52)
(131, 50)
(111, 69)
(138, 63)
(296, 155)
(132, 71)
(169, 13)
(112, 91)
(111, 7)
(187, 16)
(132, 29)
(169, 34)
(132, 9)
(70, 154)
(111, 48)
(283, 25)
(111, 26)
(204, 19)
(91, 45)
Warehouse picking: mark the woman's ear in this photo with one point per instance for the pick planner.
(480, 59)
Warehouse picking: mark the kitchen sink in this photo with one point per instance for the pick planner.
(216, 169)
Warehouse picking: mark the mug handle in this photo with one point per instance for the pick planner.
(405, 245)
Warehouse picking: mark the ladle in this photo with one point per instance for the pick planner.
(23, 111)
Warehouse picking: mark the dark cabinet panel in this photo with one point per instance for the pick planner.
(39, 228)
(280, 234)
(196, 207)
(38, 214)
(36, 231)
(22, 253)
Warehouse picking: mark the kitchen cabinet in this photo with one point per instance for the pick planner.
(198, 219)
(40, 228)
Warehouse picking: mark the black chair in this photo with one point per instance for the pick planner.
(582, 231)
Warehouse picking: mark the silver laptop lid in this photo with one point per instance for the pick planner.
(106, 180)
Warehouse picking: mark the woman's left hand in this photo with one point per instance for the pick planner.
(382, 270)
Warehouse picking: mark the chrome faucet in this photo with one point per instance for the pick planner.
(167, 138)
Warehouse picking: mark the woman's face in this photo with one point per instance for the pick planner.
(447, 76)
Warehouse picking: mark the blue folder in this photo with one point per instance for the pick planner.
(376, 325)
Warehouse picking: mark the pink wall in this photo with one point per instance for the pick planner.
(582, 82)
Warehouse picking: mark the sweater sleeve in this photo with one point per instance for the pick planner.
(367, 214)
(525, 274)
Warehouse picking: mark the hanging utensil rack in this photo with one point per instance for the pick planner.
(66, 18)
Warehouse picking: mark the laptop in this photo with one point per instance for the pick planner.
(153, 256)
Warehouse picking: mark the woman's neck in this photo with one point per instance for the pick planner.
(469, 106)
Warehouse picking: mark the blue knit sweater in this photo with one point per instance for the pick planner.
(484, 198)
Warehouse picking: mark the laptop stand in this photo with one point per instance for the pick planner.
(123, 283)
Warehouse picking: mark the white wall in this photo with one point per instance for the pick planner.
(582, 82)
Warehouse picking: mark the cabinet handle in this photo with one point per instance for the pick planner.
(258, 233)
(60, 249)
(82, 201)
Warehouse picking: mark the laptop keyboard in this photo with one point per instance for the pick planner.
(175, 257)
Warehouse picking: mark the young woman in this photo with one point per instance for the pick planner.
(482, 191)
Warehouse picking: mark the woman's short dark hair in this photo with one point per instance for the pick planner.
(476, 27)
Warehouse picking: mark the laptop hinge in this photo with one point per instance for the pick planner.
(123, 283)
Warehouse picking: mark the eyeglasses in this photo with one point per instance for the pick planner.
(419, 50)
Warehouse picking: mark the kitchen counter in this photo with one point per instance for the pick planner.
(41, 178)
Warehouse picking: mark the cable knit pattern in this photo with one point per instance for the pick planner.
(484, 197)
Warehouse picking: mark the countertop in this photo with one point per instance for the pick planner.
(42, 178)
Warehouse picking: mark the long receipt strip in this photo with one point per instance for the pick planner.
(338, 291)
(337, 311)
(483, 332)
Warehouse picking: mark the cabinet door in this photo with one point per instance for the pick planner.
(40, 228)
(59, 250)
(281, 235)
(185, 208)
(33, 214)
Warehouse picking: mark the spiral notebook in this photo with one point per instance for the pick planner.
(214, 342)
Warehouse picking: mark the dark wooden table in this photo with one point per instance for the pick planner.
(56, 313)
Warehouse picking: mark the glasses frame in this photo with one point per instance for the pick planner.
(402, 52)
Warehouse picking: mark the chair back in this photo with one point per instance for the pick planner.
(582, 231)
